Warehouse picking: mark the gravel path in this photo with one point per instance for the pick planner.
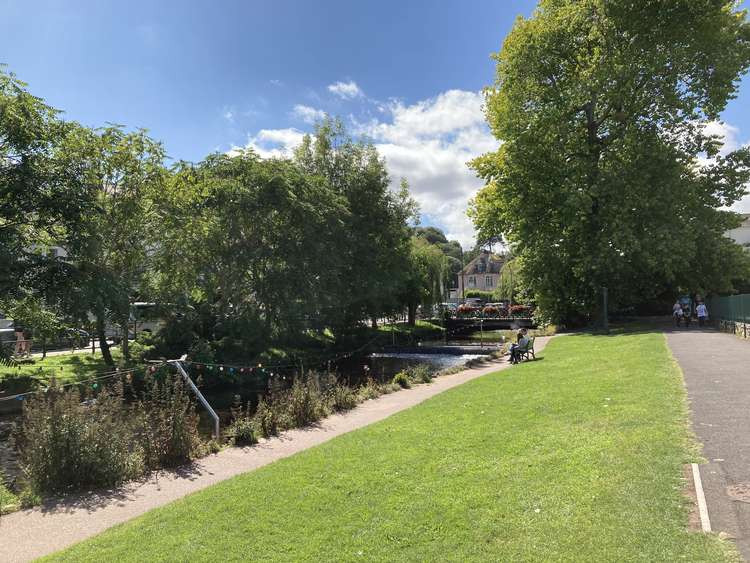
(28, 534)
(717, 375)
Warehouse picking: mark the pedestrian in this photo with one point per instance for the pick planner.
(702, 313)
(20, 340)
(677, 313)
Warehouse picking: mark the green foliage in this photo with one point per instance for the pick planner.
(8, 501)
(168, 424)
(66, 445)
(242, 429)
(601, 109)
(402, 379)
(370, 390)
(69, 441)
(267, 420)
(420, 373)
(341, 398)
(304, 403)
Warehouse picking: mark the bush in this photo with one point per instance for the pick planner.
(304, 403)
(341, 398)
(8, 501)
(68, 440)
(420, 373)
(169, 424)
(242, 430)
(490, 312)
(402, 379)
(370, 390)
(267, 420)
(65, 444)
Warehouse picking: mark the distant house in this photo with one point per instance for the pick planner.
(482, 273)
(741, 235)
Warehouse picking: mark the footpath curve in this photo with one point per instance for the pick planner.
(716, 367)
(33, 533)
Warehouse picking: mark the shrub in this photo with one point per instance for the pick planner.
(420, 373)
(169, 424)
(402, 379)
(490, 311)
(242, 430)
(65, 444)
(304, 403)
(370, 390)
(341, 398)
(267, 418)
(8, 501)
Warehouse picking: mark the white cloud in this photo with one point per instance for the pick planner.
(346, 90)
(270, 143)
(228, 115)
(429, 143)
(727, 134)
(307, 113)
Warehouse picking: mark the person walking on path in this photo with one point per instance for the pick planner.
(702, 313)
(20, 340)
(677, 313)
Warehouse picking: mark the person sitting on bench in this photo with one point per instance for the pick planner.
(516, 349)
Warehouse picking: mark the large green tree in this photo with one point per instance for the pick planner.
(42, 203)
(606, 175)
(111, 253)
(373, 243)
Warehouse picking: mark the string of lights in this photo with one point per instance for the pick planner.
(94, 380)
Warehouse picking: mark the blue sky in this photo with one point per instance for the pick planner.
(206, 76)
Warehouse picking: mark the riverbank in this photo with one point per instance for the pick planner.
(577, 456)
(57, 524)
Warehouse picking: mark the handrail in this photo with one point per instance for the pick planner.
(201, 398)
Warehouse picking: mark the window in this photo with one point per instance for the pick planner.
(472, 281)
(488, 281)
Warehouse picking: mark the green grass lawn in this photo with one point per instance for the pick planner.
(576, 457)
(66, 368)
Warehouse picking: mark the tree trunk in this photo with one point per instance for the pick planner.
(103, 346)
(374, 322)
(44, 348)
(412, 314)
(125, 346)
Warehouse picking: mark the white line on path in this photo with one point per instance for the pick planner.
(702, 507)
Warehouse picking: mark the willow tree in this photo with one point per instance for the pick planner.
(606, 174)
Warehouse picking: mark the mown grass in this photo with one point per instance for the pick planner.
(576, 457)
(65, 368)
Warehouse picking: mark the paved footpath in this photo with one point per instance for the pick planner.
(717, 374)
(28, 534)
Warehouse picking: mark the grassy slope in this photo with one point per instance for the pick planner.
(67, 367)
(532, 463)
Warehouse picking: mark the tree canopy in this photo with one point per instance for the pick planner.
(606, 175)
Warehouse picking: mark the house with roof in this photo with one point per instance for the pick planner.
(741, 235)
(482, 273)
